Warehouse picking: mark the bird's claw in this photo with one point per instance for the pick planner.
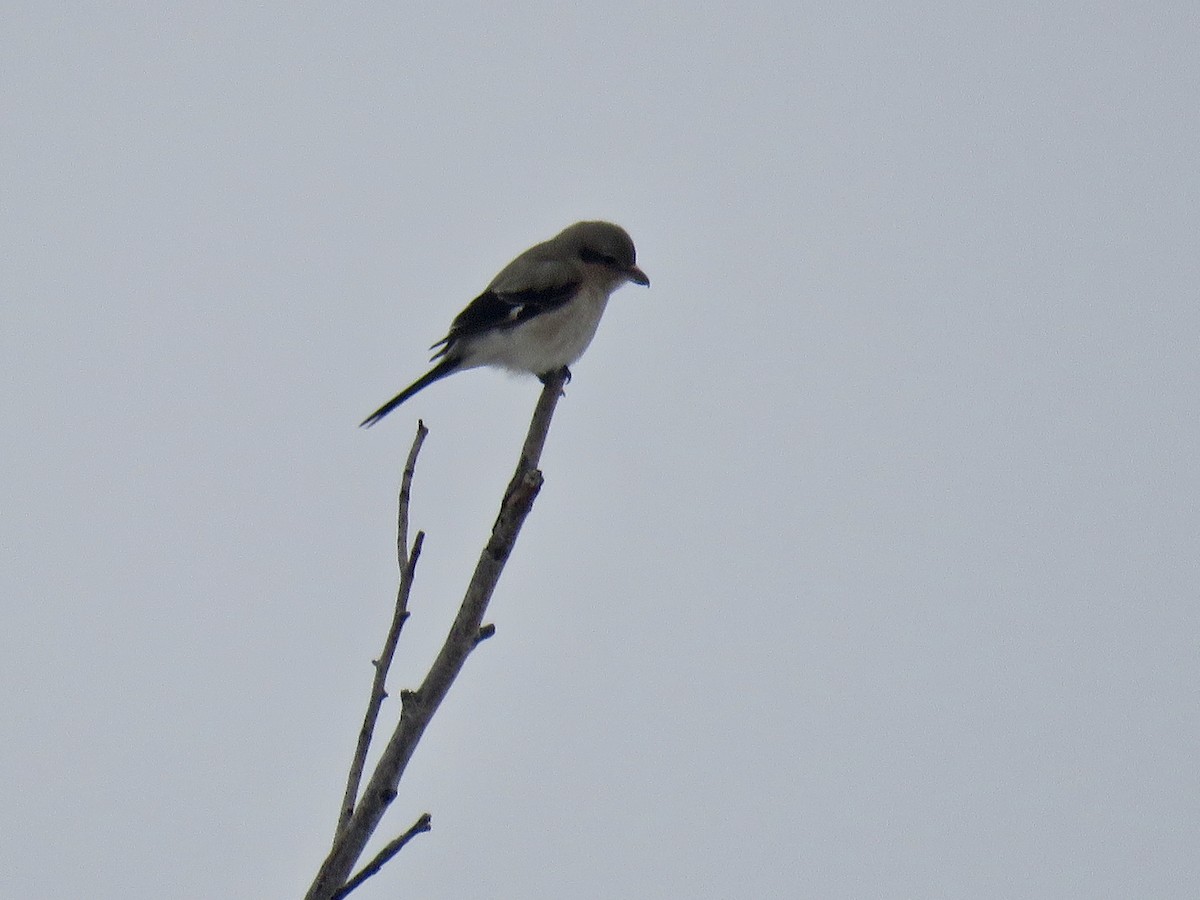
(566, 374)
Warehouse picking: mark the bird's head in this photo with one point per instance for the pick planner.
(604, 244)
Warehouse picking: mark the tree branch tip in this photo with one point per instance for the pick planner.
(484, 633)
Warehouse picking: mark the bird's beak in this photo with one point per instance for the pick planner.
(637, 276)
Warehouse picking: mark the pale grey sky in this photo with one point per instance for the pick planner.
(866, 564)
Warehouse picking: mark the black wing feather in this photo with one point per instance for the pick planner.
(492, 309)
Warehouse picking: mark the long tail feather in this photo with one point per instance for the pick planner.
(441, 370)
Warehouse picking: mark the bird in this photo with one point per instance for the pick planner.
(540, 313)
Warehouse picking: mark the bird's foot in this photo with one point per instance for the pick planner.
(566, 376)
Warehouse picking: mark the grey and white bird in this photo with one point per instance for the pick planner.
(540, 313)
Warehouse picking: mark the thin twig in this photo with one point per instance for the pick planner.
(419, 706)
(408, 566)
(393, 847)
(410, 467)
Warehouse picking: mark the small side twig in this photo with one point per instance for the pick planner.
(407, 560)
(393, 847)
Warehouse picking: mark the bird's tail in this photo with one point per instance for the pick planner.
(441, 370)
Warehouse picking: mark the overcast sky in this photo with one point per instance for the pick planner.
(866, 563)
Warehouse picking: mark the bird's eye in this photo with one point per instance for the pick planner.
(596, 257)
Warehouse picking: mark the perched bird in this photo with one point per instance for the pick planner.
(540, 313)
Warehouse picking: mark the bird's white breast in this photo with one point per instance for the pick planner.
(546, 342)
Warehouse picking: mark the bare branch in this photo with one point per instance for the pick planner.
(393, 847)
(419, 706)
(410, 466)
(408, 566)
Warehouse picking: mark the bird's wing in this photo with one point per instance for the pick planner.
(516, 295)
